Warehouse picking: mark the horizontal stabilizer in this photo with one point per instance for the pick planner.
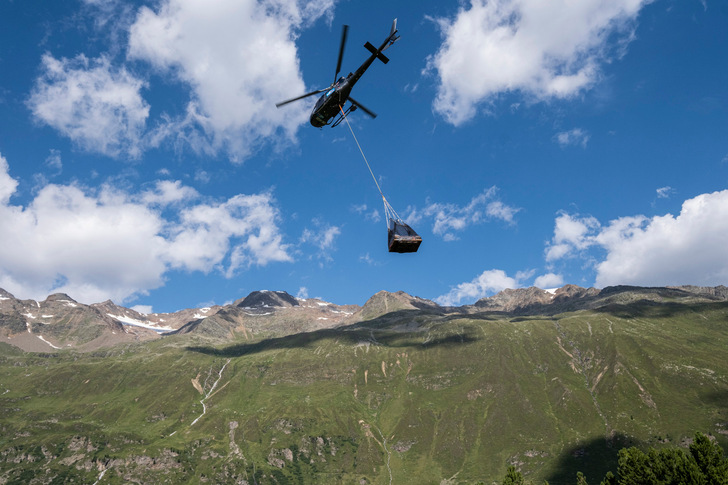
(376, 52)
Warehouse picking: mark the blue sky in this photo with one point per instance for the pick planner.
(530, 143)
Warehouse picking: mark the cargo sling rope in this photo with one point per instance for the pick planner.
(402, 238)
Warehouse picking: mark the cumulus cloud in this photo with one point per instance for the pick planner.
(549, 280)
(572, 234)
(108, 243)
(488, 282)
(662, 250)
(97, 106)
(237, 57)
(449, 218)
(542, 49)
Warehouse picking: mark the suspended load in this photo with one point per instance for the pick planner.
(402, 238)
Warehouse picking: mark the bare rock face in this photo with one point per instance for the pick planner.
(385, 302)
(267, 299)
(509, 300)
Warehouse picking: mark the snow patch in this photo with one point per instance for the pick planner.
(202, 310)
(44, 340)
(552, 291)
(138, 323)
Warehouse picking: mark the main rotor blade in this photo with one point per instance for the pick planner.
(344, 33)
(278, 105)
(361, 107)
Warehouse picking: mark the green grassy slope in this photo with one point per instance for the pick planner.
(411, 397)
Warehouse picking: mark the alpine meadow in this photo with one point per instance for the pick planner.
(272, 389)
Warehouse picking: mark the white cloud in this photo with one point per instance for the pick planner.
(323, 237)
(571, 234)
(7, 183)
(542, 49)
(576, 136)
(111, 244)
(238, 58)
(143, 309)
(449, 218)
(167, 192)
(54, 161)
(549, 280)
(242, 227)
(488, 282)
(663, 250)
(97, 106)
(667, 250)
(372, 215)
(664, 192)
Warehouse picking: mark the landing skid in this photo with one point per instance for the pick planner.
(343, 115)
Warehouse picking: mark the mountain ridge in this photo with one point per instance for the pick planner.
(61, 322)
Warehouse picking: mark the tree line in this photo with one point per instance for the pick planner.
(702, 464)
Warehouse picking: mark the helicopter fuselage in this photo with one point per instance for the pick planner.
(332, 101)
(328, 104)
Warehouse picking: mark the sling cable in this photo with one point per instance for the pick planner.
(401, 238)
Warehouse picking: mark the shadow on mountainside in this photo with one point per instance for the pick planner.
(719, 399)
(593, 458)
(391, 330)
(654, 309)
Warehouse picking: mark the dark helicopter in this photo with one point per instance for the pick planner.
(331, 103)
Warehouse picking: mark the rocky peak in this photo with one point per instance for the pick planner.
(267, 299)
(385, 302)
(60, 297)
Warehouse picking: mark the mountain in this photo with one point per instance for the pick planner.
(60, 322)
(270, 313)
(385, 302)
(259, 300)
(399, 390)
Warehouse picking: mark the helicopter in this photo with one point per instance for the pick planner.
(337, 94)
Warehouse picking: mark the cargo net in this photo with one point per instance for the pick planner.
(401, 237)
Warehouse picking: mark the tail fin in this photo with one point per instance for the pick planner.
(393, 37)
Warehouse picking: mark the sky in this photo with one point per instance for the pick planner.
(529, 143)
